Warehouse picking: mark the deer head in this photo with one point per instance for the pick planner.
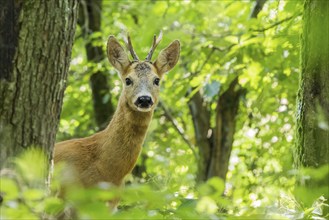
(141, 79)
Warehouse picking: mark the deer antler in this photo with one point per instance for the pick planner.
(154, 45)
(130, 48)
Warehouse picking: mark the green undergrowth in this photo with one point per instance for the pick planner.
(26, 196)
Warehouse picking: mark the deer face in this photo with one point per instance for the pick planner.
(141, 79)
(141, 86)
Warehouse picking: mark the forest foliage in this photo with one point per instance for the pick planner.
(219, 41)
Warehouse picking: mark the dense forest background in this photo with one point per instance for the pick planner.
(223, 141)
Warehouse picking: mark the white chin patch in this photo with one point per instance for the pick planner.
(144, 109)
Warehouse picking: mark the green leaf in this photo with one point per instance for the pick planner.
(9, 189)
(53, 205)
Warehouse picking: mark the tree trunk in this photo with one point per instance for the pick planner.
(202, 130)
(226, 113)
(90, 22)
(313, 95)
(35, 39)
(215, 144)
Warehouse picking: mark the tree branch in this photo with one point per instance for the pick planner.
(178, 128)
(257, 8)
(213, 49)
(276, 23)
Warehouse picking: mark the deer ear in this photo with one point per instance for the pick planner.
(167, 58)
(117, 55)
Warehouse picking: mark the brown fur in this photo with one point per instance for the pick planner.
(109, 155)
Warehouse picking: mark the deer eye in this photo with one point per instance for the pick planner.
(128, 81)
(156, 81)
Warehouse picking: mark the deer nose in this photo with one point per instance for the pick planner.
(144, 102)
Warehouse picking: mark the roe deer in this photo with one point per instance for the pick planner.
(109, 155)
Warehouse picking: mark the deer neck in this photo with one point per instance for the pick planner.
(127, 128)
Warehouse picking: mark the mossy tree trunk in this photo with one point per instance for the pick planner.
(313, 96)
(35, 40)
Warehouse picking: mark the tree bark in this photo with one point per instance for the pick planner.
(35, 39)
(90, 22)
(313, 95)
(203, 134)
(226, 113)
(215, 144)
